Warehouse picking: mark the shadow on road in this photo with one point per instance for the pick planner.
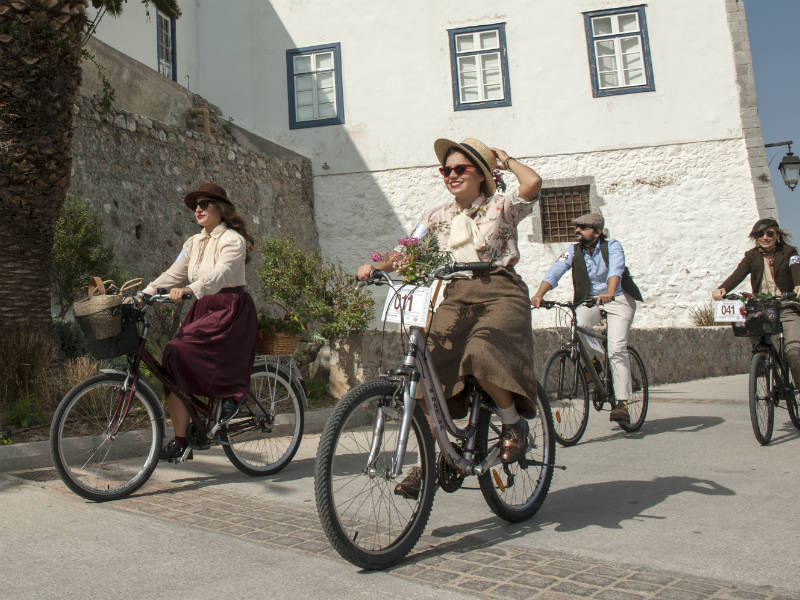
(575, 508)
(688, 424)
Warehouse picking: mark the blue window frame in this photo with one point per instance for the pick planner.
(165, 35)
(314, 81)
(479, 67)
(619, 51)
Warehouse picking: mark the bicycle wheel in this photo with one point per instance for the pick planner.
(365, 521)
(96, 455)
(515, 491)
(762, 407)
(568, 393)
(640, 397)
(264, 437)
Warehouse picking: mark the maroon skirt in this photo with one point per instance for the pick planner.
(212, 354)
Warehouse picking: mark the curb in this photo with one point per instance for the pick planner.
(36, 455)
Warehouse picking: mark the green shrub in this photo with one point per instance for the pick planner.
(320, 293)
(79, 251)
(26, 411)
(69, 337)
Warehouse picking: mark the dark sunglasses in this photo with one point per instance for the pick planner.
(202, 204)
(767, 232)
(459, 169)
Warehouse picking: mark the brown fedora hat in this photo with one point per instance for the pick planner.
(210, 191)
(475, 150)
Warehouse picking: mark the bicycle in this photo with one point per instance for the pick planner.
(107, 431)
(377, 432)
(565, 380)
(770, 382)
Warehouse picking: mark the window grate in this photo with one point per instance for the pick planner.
(558, 207)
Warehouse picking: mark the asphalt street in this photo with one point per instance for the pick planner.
(690, 507)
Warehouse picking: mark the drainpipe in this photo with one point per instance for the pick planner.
(206, 121)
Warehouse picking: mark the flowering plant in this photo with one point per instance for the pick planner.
(498, 180)
(269, 326)
(414, 258)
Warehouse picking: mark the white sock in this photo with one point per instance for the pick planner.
(508, 416)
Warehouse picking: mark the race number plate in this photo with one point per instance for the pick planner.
(728, 311)
(407, 304)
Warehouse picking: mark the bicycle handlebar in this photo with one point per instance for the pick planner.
(378, 277)
(747, 297)
(571, 305)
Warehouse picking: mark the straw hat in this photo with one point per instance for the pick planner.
(475, 150)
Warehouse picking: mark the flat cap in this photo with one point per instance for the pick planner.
(590, 220)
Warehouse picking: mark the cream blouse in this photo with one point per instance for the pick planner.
(219, 265)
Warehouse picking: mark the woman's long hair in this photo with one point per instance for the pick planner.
(235, 221)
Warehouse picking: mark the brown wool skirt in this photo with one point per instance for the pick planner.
(212, 353)
(483, 328)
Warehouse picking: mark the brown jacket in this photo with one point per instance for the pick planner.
(786, 276)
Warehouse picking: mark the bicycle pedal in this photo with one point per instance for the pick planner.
(187, 455)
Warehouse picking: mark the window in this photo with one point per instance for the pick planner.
(619, 52)
(559, 206)
(165, 32)
(315, 86)
(479, 67)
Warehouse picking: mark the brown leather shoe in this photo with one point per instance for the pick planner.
(620, 413)
(514, 441)
(409, 487)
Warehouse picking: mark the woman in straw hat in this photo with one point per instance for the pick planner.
(212, 353)
(483, 325)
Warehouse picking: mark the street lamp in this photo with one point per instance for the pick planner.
(789, 166)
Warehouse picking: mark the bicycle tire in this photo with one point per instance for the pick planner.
(762, 406)
(793, 407)
(366, 522)
(640, 398)
(264, 437)
(517, 502)
(89, 461)
(568, 396)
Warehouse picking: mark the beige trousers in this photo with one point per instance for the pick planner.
(790, 320)
(620, 313)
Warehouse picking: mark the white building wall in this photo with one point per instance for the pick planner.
(669, 169)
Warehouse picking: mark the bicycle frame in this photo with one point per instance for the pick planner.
(200, 412)
(418, 367)
(602, 386)
(777, 363)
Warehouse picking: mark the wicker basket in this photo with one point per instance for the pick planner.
(279, 343)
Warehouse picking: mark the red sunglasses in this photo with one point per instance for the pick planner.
(459, 169)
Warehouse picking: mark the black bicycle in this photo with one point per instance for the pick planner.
(771, 383)
(571, 378)
(107, 431)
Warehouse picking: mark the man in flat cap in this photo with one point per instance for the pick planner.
(602, 275)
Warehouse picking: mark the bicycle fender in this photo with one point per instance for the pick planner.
(149, 390)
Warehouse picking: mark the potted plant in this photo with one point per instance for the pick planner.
(278, 335)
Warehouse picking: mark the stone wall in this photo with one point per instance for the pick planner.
(135, 168)
(669, 354)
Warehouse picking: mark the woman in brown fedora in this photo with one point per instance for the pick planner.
(212, 353)
(483, 325)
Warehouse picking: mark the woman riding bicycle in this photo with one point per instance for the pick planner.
(483, 326)
(212, 353)
(774, 268)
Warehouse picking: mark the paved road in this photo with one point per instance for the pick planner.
(690, 508)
